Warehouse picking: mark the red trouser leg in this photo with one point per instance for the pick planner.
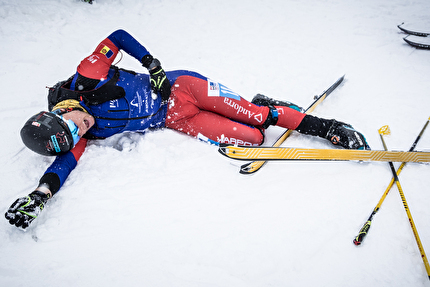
(289, 118)
(198, 106)
(225, 118)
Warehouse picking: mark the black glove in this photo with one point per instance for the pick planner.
(159, 82)
(26, 209)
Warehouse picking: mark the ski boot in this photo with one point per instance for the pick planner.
(346, 136)
(262, 100)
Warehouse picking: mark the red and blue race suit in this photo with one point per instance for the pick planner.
(197, 106)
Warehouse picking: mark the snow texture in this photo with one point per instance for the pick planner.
(163, 209)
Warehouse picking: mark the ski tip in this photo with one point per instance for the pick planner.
(244, 171)
(223, 148)
(402, 29)
(246, 168)
(252, 167)
(340, 80)
(407, 40)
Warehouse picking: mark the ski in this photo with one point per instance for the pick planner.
(282, 153)
(255, 166)
(413, 32)
(418, 42)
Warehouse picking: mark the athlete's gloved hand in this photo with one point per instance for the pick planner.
(159, 82)
(26, 209)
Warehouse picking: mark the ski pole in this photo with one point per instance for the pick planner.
(385, 130)
(363, 231)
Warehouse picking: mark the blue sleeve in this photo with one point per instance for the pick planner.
(130, 45)
(62, 167)
(173, 75)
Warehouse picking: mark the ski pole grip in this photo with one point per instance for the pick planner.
(363, 232)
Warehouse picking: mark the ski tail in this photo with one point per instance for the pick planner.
(255, 166)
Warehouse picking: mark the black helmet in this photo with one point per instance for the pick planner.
(47, 134)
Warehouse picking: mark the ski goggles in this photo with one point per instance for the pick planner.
(73, 128)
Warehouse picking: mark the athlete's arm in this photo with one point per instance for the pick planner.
(96, 66)
(57, 173)
(27, 208)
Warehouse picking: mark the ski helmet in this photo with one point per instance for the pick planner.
(47, 133)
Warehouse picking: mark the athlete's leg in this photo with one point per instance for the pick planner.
(185, 113)
(207, 125)
(214, 97)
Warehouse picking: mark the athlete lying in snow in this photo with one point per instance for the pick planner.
(101, 100)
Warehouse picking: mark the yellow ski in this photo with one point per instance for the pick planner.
(282, 153)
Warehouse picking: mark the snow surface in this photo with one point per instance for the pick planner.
(163, 209)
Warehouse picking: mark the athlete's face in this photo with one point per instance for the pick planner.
(83, 120)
